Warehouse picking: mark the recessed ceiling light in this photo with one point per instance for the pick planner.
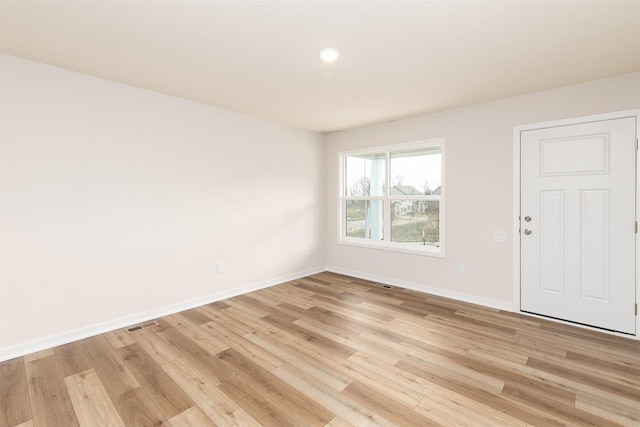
(329, 54)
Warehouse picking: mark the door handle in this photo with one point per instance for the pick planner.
(527, 231)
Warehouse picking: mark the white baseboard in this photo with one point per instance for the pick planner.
(473, 299)
(78, 334)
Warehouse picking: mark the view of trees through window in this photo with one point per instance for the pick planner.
(407, 209)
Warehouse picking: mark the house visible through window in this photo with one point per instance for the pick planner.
(392, 198)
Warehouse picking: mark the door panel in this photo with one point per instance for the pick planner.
(551, 243)
(594, 244)
(578, 223)
(559, 155)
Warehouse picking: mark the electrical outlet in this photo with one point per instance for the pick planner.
(461, 268)
(220, 267)
(306, 251)
(499, 236)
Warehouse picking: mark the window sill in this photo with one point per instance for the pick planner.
(415, 249)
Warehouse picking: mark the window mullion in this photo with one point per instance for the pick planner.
(387, 200)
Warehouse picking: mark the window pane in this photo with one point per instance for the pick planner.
(415, 221)
(364, 219)
(364, 175)
(415, 172)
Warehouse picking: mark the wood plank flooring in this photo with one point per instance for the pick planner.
(330, 350)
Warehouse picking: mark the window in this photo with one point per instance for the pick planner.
(392, 198)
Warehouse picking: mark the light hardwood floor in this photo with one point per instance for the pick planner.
(330, 350)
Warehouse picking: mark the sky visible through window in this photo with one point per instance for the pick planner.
(411, 171)
(416, 170)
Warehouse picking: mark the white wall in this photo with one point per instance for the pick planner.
(118, 202)
(479, 187)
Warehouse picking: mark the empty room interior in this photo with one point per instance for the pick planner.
(319, 213)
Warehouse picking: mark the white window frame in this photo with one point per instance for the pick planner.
(386, 198)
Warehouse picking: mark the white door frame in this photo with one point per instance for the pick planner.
(516, 207)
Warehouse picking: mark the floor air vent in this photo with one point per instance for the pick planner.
(142, 326)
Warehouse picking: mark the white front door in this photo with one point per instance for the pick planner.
(577, 227)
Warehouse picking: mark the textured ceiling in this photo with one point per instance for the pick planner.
(399, 58)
